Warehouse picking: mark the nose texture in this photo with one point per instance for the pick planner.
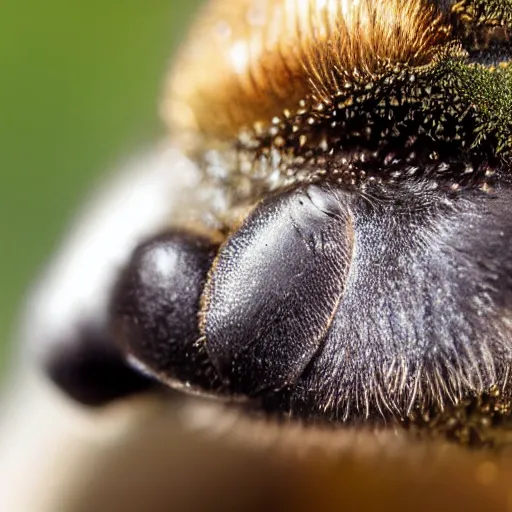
(275, 286)
(155, 306)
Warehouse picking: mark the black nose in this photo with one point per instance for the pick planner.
(91, 369)
(244, 318)
(275, 286)
(155, 307)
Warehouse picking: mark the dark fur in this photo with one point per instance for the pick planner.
(421, 323)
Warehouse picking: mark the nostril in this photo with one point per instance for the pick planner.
(91, 369)
(155, 306)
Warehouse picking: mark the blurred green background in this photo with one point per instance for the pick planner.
(79, 84)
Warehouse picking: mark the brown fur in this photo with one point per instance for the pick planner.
(250, 60)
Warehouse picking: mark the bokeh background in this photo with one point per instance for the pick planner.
(79, 85)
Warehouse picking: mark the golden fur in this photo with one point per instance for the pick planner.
(250, 60)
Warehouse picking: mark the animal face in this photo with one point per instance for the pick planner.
(320, 250)
(349, 263)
